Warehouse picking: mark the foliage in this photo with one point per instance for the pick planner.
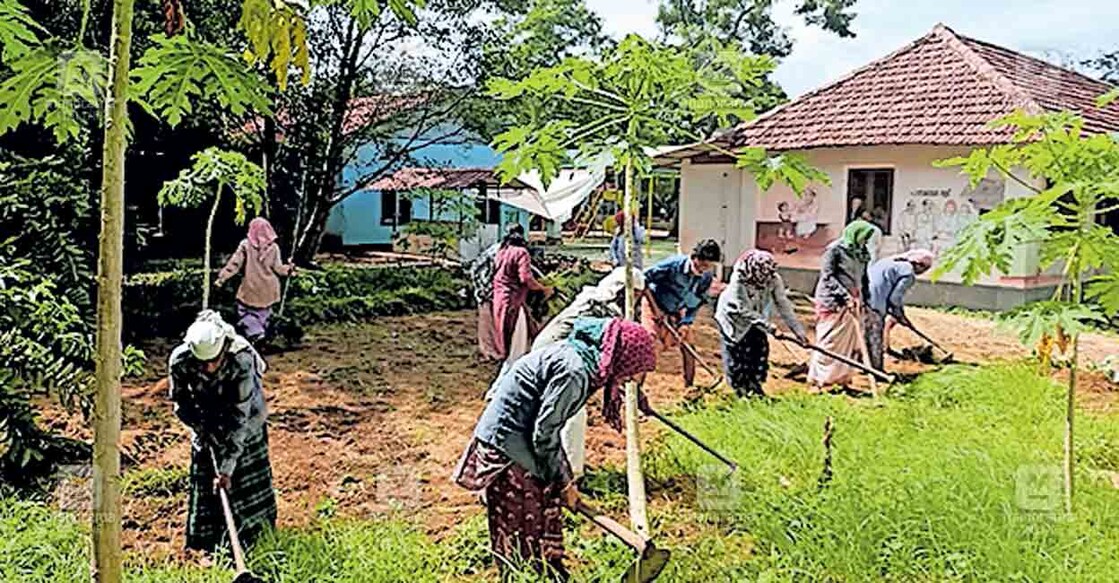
(159, 482)
(49, 80)
(277, 28)
(172, 76)
(1081, 170)
(44, 347)
(163, 304)
(216, 168)
(643, 94)
(452, 217)
(749, 23)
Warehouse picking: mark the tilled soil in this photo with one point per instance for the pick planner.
(371, 418)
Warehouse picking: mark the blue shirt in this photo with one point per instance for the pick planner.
(676, 289)
(889, 280)
(618, 247)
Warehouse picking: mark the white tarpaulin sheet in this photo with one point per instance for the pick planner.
(566, 191)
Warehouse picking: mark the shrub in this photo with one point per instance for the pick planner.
(163, 304)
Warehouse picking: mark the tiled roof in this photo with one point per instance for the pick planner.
(942, 89)
(449, 178)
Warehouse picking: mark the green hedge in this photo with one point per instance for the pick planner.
(163, 304)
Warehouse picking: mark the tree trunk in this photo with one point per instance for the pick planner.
(106, 567)
(1070, 413)
(313, 230)
(635, 477)
(206, 269)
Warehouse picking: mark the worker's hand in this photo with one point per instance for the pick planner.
(291, 269)
(219, 282)
(686, 333)
(223, 482)
(570, 496)
(549, 291)
(802, 337)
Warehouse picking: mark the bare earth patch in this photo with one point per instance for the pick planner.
(371, 418)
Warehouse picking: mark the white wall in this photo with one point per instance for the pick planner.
(721, 201)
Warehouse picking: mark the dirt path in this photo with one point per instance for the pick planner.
(371, 418)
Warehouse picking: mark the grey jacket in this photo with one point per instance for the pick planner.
(531, 404)
(742, 305)
(842, 276)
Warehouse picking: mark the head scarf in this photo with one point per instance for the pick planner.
(209, 335)
(758, 267)
(608, 289)
(855, 238)
(612, 350)
(261, 233)
(920, 257)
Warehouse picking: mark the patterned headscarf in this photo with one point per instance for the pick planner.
(920, 257)
(613, 350)
(261, 233)
(855, 237)
(758, 267)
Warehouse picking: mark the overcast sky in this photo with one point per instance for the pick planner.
(1050, 29)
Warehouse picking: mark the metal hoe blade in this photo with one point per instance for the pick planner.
(648, 566)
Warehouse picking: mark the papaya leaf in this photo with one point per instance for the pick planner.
(18, 31)
(1050, 318)
(48, 85)
(212, 167)
(1108, 98)
(178, 71)
(277, 33)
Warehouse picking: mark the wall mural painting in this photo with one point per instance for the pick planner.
(930, 218)
(797, 228)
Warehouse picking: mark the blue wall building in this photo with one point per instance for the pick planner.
(366, 217)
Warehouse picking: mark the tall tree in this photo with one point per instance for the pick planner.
(749, 23)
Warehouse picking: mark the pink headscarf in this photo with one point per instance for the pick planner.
(921, 257)
(627, 350)
(261, 233)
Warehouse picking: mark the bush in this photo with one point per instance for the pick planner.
(163, 304)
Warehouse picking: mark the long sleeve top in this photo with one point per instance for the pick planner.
(530, 406)
(842, 277)
(618, 248)
(222, 410)
(676, 289)
(890, 279)
(481, 274)
(741, 306)
(260, 286)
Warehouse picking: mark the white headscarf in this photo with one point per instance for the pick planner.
(208, 335)
(608, 289)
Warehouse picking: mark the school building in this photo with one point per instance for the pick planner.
(877, 133)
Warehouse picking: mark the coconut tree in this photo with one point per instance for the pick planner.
(212, 172)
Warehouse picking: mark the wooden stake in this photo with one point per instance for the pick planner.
(635, 477)
(826, 474)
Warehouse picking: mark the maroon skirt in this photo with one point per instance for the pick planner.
(525, 514)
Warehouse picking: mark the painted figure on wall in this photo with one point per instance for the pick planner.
(907, 225)
(786, 232)
(807, 214)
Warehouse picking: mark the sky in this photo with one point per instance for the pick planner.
(1055, 30)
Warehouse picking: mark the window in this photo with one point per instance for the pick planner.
(395, 209)
(489, 211)
(870, 193)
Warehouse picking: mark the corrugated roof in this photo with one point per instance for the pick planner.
(942, 89)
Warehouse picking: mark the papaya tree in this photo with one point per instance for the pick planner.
(637, 96)
(212, 172)
(1081, 173)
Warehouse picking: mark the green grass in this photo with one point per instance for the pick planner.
(925, 488)
(925, 484)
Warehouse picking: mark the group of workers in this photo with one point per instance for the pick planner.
(527, 450)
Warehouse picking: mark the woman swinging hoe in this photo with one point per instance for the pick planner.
(840, 292)
(216, 390)
(516, 458)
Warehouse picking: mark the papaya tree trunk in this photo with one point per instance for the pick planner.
(209, 242)
(106, 567)
(635, 477)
